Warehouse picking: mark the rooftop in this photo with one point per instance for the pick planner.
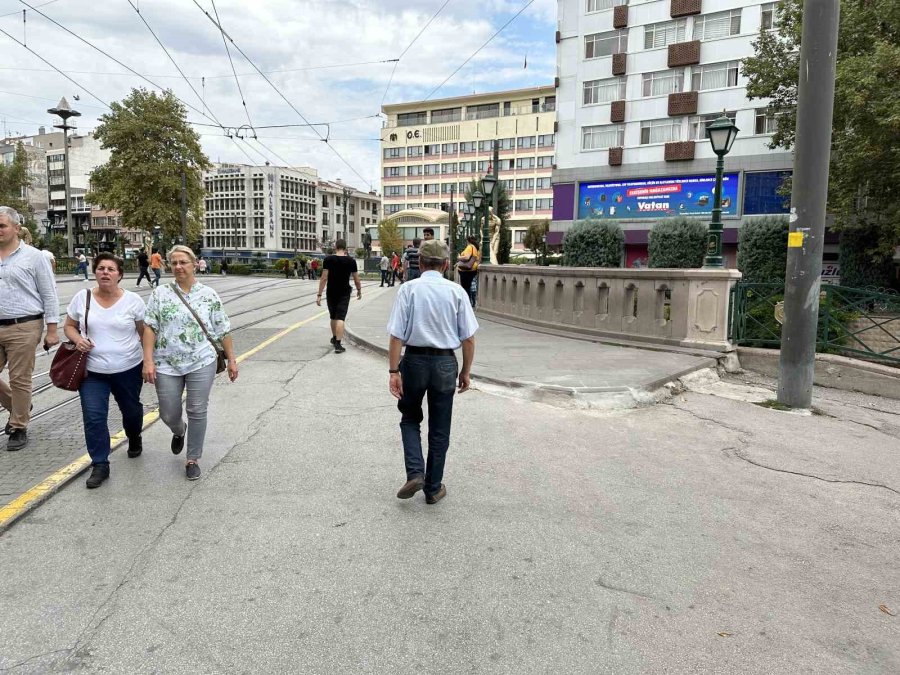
(487, 97)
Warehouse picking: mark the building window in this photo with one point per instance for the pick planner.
(393, 153)
(661, 131)
(698, 125)
(543, 184)
(389, 172)
(525, 184)
(468, 147)
(414, 170)
(485, 146)
(414, 151)
(601, 137)
(446, 188)
(767, 121)
(525, 142)
(524, 204)
(391, 209)
(519, 236)
(720, 24)
(507, 143)
(449, 148)
(603, 91)
(412, 119)
(325, 201)
(432, 188)
(432, 169)
(599, 5)
(525, 163)
(545, 162)
(544, 204)
(393, 191)
(467, 167)
(446, 115)
(715, 76)
(769, 18)
(662, 83)
(547, 141)
(434, 149)
(605, 44)
(413, 190)
(482, 112)
(658, 35)
(448, 168)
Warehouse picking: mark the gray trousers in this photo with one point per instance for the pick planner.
(169, 389)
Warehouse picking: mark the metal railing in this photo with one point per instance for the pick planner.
(859, 322)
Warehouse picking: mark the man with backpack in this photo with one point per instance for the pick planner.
(411, 261)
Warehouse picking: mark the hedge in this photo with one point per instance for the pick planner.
(861, 265)
(678, 243)
(762, 252)
(590, 243)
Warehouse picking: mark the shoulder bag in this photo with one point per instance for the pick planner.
(69, 367)
(468, 264)
(221, 363)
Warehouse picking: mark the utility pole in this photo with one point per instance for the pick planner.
(63, 110)
(815, 109)
(346, 193)
(184, 231)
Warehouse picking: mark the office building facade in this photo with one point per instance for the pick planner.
(346, 213)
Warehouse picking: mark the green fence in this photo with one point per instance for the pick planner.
(864, 323)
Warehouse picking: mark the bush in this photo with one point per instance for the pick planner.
(590, 243)
(861, 264)
(239, 269)
(762, 251)
(678, 243)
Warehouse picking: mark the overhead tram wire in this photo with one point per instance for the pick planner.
(408, 47)
(472, 56)
(234, 72)
(283, 97)
(16, 13)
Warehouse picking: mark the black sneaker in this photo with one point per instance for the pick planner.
(99, 473)
(333, 340)
(192, 471)
(18, 439)
(135, 447)
(338, 347)
(177, 444)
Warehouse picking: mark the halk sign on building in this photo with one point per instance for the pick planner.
(656, 198)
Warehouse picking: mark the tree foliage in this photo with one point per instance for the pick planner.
(535, 238)
(862, 263)
(678, 243)
(865, 164)
(591, 243)
(151, 145)
(389, 237)
(762, 252)
(14, 180)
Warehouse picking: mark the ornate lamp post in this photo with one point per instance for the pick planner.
(488, 183)
(722, 133)
(63, 110)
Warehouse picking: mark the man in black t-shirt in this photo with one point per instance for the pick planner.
(143, 267)
(337, 271)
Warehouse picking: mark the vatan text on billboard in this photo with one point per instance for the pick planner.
(656, 198)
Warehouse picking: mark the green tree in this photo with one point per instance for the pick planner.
(535, 239)
(151, 146)
(762, 252)
(14, 181)
(389, 237)
(865, 164)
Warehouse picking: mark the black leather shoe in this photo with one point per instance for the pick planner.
(135, 447)
(437, 496)
(99, 473)
(412, 486)
(18, 439)
(177, 444)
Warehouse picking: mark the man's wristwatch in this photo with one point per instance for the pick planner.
(393, 371)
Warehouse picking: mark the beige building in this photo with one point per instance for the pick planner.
(432, 148)
(346, 213)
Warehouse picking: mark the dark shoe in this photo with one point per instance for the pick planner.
(18, 439)
(437, 496)
(192, 471)
(8, 428)
(135, 447)
(338, 347)
(99, 473)
(412, 486)
(177, 444)
(333, 340)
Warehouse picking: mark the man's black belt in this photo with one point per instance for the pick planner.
(21, 319)
(429, 351)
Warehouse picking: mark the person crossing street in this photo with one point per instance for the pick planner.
(337, 271)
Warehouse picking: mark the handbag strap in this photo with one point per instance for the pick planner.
(87, 309)
(181, 297)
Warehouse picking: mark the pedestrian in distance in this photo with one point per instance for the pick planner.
(430, 319)
(109, 329)
(339, 268)
(82, 267)
(302, 268)
(467, 266)
(143, 267)
(201, 266)
(395, 267)
(314, 267)
(156, 264)
(223, 269)
(411, 261)
(288, 269)
(182, 321)
(428, 234)
(28, 300)
(384, 265)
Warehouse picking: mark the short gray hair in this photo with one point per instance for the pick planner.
(179, 248)
(12, 214)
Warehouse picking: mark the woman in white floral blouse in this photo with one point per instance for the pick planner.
(178, 355)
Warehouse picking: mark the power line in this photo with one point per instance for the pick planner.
(292, 126)
(16, 13)
(489, 40)
(45, 98)
(231, 61)
(394, 70)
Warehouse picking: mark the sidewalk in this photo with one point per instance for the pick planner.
(547, 367)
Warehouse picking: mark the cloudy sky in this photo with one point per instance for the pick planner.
(305, 47)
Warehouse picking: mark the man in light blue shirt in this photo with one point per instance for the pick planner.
(431, 317)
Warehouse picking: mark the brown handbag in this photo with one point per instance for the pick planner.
(69, 367)
(221, 361)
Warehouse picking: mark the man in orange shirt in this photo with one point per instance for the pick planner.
(156, 263)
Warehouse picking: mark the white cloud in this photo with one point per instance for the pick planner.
(277, 35)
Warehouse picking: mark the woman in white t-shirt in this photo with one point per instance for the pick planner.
(115, 323)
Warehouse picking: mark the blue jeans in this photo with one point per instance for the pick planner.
(157, 273)
(95, 390)
(385, 277)
(82, 269)
(411, 273)
(434, 377)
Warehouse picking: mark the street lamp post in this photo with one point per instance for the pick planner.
(63, 111)
(488, 184)
(722, 133)
(46, 223)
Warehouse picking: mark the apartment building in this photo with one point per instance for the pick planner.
(259, 209)
(349, 221)
(432, 148)
(638, 83)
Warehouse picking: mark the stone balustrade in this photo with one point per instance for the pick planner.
(685, 308)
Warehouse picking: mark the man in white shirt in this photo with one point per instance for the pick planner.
(385, 266)
(27, 300)
(431, 317)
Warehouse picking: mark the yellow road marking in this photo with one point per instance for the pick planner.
(40, 492)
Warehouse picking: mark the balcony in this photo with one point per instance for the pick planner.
(617, 112)
(683, 103)
(679, 151)
(619, 63)
(472, 116)
(684, 54)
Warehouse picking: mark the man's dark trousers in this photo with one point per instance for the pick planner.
(433, 377)
(144, 272)
(385, 277)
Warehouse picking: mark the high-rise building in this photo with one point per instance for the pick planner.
(638, 83)
(430, 148)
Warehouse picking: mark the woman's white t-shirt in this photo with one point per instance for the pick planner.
(117, 346)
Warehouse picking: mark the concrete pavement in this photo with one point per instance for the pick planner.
(706, 535)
